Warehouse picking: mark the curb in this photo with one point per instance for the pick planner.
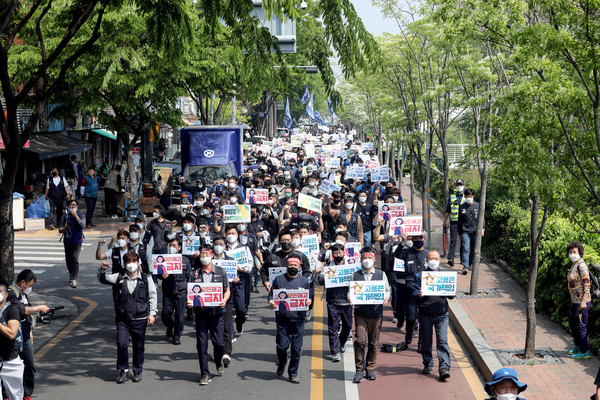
(475, 343)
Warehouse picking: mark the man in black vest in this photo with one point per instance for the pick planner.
(278, 258)
(57, 191)
(116, 253)
(135, 306)
(141, 245)
(368, 318)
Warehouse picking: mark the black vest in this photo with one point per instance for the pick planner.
(369, 310)
(352, 225)
(135, 305)
(117, 266)
(57, 191)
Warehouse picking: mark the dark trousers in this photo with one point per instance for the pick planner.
(406, 309)
(440, 323)
(289, 333)
(137, 330)
(173, 312)
(205, 323)
(238, 291)
(338, 337)
(579, 327)
(57, 209)
(453, 240)
(366, 334)
(72, 259)
(246, 279)
(110, 201)
(90, 203)
(228, 328)
(29, 372)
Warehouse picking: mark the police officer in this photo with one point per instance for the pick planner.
(209, 319)
(290, 324)
(135, 308)
(174, 289)
(433, 313)
(455, 200)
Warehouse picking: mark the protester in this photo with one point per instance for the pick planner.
(578, 278)
(71, 226)
(11, 373)
(57, 191)
(505, 385)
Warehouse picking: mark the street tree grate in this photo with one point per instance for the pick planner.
(481, 294)
(515, 357)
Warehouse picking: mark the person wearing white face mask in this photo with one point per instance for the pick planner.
(71, 226)
(368, 212)
(505, 385)
(578, 278)
(116, 253)
(468, 215)
(368, 318)
(455, 200)
(433, 313)
(141, 247)
(174, 290)
(135, 307)
(159, 228)
(241, 289)
(351, 219)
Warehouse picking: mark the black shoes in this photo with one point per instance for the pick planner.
(176, 341)
(444, 374)
(294, 379)
(280, 369)
(427, 369)
(123, 376)
(137, 377)
(401, 346)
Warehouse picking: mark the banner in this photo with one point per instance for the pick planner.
(438, 283)
(276, 151)
(355, 172)
(191, 245)
(287, 146)
(257, 196)
(338, 275)
(230, 266)
(328, 187)
(332, 163)
(367, 146)
(291, 299)
(411, 225)
(309, 202)
(233, 213)
(275, 272)
(352, 253)
(169, 263)
(310, 242)
(288, 155)
(205, 294)
(367, 292)
(380, 174)
(390, 211)
(241, 257)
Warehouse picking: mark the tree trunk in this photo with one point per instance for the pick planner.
(474, 290)
(412, 181)
(12, 155)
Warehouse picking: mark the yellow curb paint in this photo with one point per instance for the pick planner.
(468, 369)
(62, 334)
(316, 362)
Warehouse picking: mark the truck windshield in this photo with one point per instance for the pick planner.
(210, 173)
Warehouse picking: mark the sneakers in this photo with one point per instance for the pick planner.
(336, 357)
(51, 227)
(582, 356)
(427, 369)
(123, 376)
(401, 346)
(465, 270)
(239, 333)
(294, 379)
(574, 350)
(73, 283)
(280, 369)
(371, 375)
(226, 360)
(444, 374)
(358, 377)
(176, 341)
(343, 348)
(394, 320)
(137, 377)
(220, 369)
(205, 380)
(450, 263)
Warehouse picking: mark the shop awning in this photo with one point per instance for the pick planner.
(104, 133)
(54, 145)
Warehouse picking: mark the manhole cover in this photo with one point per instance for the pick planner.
(481, 294)
(515, 357)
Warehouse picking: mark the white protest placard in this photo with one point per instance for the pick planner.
(191, 244)
(257, 196)
(332, 163)
(310, 242)
(367, 292)
(438, 283)
(367, 146)
(287, 146)
(352, 253)
(169, 263)
(230, 266)
(205, 294)
(309, 202)
(399, 265)
(410, 225)
(373, 164)
(234, 213)
(311, 256)
(380, 174)
(241, 256)
(276, 151)
(288, 155)
(338, 275)
(390, 211)
(291, 299)
(275, 272)
(355, 172)
(328, 187)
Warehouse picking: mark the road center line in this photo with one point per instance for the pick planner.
(316, 362)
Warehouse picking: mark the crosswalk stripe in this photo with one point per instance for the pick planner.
(35, 271)
(38, 251)
(33, 265)
(44, 243)
(25, 258)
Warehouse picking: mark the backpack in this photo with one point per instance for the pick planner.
(594, 282)
(19, 337)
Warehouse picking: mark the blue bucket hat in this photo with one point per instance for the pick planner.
(504, 374)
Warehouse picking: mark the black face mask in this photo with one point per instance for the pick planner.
(268, 183)
(286, 245)
(281, 180)
(338, 259)
(55, 174)
(418, 244)
(336, 201)
(292, 271)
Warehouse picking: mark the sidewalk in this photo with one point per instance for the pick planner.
(501, 323)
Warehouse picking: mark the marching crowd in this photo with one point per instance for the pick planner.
(271, 251)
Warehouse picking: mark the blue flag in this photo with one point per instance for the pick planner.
(330, 104)
(319, 119)
(305, 95)
(310, 110)
(287, 119)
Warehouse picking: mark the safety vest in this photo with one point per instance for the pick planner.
(454, 206)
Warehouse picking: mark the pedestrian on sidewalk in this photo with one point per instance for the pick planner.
(90, 193)
(57, 191)
(468, 216)
(505, 385)
(112, 184)
(71, 226)
(455, 200)
(368, 318)
(581, 300)
(433, 313)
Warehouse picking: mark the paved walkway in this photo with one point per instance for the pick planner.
(501, 321)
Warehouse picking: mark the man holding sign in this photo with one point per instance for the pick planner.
(290, 324)
(433, 312)
(209, 318)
